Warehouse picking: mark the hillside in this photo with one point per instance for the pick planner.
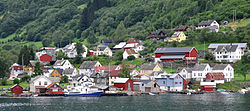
(58, 22)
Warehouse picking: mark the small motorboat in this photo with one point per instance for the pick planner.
(152, 94)
(189, 93)
(225, 93)
(243, 91)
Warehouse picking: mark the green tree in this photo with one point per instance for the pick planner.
(118, 55)
(16, 81)
(25, 78)
(5, 63)
(125, 71)
(79, 48)
(131, 57)
(60, 55)
(38, 70)
(209, 56)
(120, 32)
(4, 81)
(64, 79)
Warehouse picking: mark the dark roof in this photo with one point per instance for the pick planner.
(149, 66)
(59, 62)
(220, 66)
(59, 70)
(87, 64)
(107, 40)
(173, 49)
(229, 48)
(68, 71)
(199, 67)
(205, 23)
(100, 48)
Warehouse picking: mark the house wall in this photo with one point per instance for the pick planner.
(201, 75)
(175, 84)
(229, 56)
(228, 73)
(17, 89)
(124, 86)
(55, 89)
(55, 73)
(36, 83)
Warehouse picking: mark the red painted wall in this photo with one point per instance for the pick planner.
(124, 85)
(17, 89)
(45, 57)
(193, 53)
(50, 90)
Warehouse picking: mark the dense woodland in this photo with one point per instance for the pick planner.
(59, 22)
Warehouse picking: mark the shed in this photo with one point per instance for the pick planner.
(208, 86)
(124, 84)
(17, 89)
(54, 88)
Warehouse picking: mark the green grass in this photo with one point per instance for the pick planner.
(8, 38)
(199, 46)
(228, 86)
(169, 70)
(241, 23)
(136, 61)
(23, 84)
(65, 85)
(240, 78)
(37, 44)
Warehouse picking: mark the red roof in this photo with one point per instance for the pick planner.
(115, 73)
(132, 40)
(18, 67)
(40, 87)
(50, 85)
(215, 76)
(45, 57)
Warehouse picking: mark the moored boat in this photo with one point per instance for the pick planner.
(94, 94)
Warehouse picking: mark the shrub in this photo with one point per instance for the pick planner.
(131, 57)
(16, 81)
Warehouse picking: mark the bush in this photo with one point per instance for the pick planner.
(64, 79)
(4, 81)
(131, 57)
(26, 78)
(16, 81)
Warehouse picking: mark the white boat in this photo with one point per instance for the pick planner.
(243, 91)
(34, 95)
(84, 91)
(189, 93)
(225, 93)
(152, 94)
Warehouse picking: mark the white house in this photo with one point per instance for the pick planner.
(88, 67)
(228, 52)
(102, 49)
(129, 52)
(199, 71)
(226, 69)
(63, 64)
(119, 46)
(186, 73)
(70, 73)
(15, 70)
(70, 50)
(40, 82)
(213, 25)
(80, 82)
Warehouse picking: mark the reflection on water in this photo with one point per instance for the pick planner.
(138, 103)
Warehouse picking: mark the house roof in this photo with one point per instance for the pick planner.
(216, 76)
(149, 66)
(220, 66)
(131, 45)
(176, 34)
(115, 73)
(59, 70)
(199, 67)
(131, 40)
(107, 40)
(172, 56)
(131, 51)
(206, 23)
(68, 71)
(87, 64)
(121, 80)
(173, 49)
(100, 48)
(229, 48)
(39, 76)
(120, 45)
(110, 68)
(59, 62)
(215, 45)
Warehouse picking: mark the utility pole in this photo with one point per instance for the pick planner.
(234, 15)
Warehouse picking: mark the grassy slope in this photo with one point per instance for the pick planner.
(24, 85)
(241, 23)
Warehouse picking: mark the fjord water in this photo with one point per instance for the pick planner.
(165, 102)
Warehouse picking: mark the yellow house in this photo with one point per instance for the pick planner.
(56, 73)
(177, 36)
(148, 69)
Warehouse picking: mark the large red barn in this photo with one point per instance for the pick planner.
(188, 54)
(17, 89)
(46, 58)
(125, 84)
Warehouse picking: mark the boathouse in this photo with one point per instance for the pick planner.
(17, 89)
(124, 84)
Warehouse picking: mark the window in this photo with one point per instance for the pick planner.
(40, 83)
(164, 83)
(194, 74)
(142, 84)
(180, 82)
(175, 82)
(45, 83)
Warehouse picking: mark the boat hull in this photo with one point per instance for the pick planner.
(95, 94)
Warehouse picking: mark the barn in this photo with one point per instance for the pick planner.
(17, 89)
(176, 54)
(125, 84)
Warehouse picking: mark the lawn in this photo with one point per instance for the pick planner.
(136, 61)
(23, 84)
(199, 46)
(228, 86)
(8, 38)
(169, 70)
(241, 23)
(37, 44)
(240, 77)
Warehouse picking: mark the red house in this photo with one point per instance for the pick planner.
(208, 86)
(46, 58)
(54, 88)
(17, 89)
(217, 77)
(125, 84)
(188, 54)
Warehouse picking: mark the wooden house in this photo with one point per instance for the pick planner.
(54, 88)
(57, 73)
(215, 77)
(124, 84)
(17, 89)
(171, 82)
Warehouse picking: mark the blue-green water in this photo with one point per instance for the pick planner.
(167, 102)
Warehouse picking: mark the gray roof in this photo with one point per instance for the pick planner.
(100, 48)
(149, 66)
(87, 64)
(229, 48)
(199, 67)
(206, 23)
(173, 49)
(59, 62)
(68, 71)
(220, 66)
(213, 46)
(172, 56)
(59, 70)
